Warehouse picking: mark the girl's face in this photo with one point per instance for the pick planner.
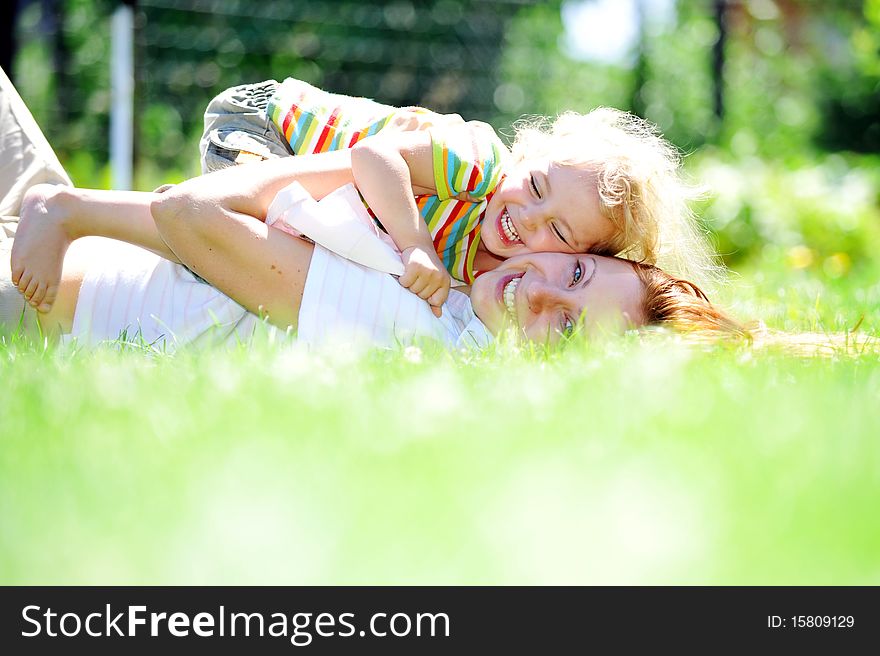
(545, 295)
(541, 206)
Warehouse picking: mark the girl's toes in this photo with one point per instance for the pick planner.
(23, 282)
(49, 299)
(39, 295)
(17, 271)
(31, 289)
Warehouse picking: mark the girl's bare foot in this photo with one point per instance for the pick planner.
(41, 240)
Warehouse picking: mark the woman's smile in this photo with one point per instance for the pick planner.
(505, 292)
(510, 295)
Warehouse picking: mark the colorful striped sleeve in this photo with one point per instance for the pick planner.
(316, 121)
(455, 228)
(468, 159)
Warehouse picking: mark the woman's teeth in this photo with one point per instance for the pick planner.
(510, 296)
(507, 225)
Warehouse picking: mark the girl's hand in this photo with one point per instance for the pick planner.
(425, 276)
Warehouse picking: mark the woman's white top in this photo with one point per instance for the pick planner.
(347, 302)
(137, 296)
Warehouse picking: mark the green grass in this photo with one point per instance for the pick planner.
(648, 461)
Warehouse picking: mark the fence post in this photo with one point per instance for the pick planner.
(122, 95)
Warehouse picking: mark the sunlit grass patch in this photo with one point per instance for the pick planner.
(631, 460)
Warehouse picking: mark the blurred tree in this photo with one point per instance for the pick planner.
(640, 71)
(796, 77)
(720, 7)
(851, 107)
(8, 37)
(539, 77)
(63, 74)
(55, 12)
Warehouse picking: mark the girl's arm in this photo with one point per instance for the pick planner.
(387, 169)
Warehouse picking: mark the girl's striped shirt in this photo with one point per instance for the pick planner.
(468, 158)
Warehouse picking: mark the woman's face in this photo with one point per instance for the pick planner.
(545, 295)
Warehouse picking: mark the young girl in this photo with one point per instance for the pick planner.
(452, 197)
(604, 182)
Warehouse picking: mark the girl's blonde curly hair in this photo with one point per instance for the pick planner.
(638, 177)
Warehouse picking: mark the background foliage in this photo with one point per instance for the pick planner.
(791, 164)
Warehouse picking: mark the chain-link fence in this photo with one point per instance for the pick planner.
(439, 53)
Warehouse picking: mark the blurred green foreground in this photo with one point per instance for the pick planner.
(620, 463)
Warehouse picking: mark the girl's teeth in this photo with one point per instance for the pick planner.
(507, 225)
(510, 296)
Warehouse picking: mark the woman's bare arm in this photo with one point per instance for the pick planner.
(214, 225)
(261, 268)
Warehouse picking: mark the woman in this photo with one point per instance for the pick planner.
(109, 288)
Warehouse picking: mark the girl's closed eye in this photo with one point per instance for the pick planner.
(534, 185)
(558, 233)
